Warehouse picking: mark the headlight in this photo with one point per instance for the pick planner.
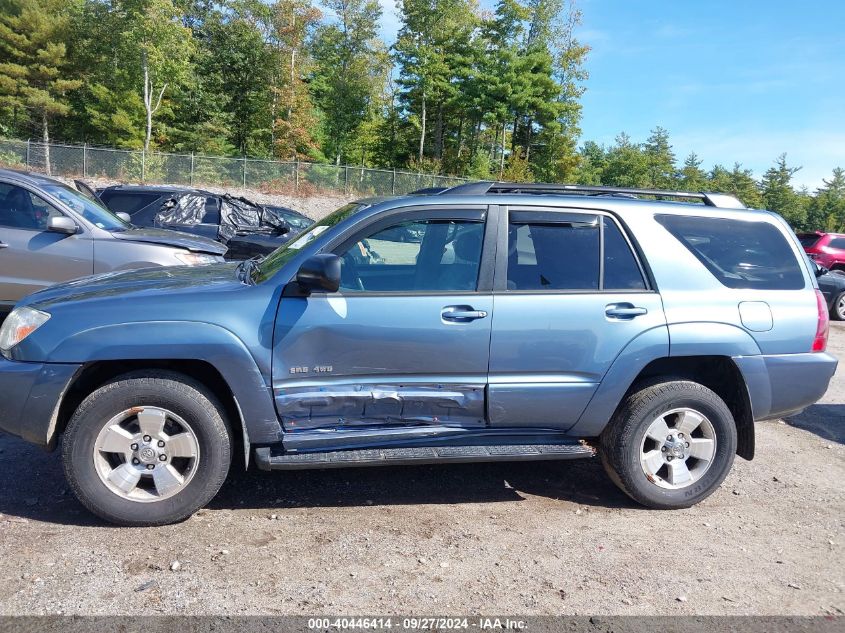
(20, 323)
(196, 259)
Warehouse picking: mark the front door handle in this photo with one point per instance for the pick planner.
(624, 311)
(461, 314)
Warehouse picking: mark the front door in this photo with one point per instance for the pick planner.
(31, 257)
(405, 341)
(570, 295)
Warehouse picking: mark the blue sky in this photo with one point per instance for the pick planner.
(741, 80)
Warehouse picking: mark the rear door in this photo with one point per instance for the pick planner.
(405, 341)
(32, 258)
(570, 294)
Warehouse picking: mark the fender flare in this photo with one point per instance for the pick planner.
(184, 340)
(675, 340)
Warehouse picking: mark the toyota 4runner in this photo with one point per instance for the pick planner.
(486, 322)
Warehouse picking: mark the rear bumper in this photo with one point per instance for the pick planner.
(781, 384)
(29, 397)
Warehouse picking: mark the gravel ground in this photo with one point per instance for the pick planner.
(545, 538)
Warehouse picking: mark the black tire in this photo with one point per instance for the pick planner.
(170, 390)
(622, 442)
(837, 310)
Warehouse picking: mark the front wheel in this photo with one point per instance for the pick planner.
(670, 445)
(149, 448)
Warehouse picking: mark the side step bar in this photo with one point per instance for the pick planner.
(420, 455)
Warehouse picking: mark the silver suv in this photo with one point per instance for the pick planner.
(50, 232)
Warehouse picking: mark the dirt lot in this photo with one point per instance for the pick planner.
(550, 538)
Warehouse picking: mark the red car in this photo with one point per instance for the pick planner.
(828, 249)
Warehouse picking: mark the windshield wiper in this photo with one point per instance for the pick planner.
(247, 269)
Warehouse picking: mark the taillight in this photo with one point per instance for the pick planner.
(823, 325)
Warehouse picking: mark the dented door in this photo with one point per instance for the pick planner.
(405, 341)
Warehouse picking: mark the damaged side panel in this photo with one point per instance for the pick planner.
(347, 405)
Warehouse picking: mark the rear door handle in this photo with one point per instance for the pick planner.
(461, 314)
(624, 311)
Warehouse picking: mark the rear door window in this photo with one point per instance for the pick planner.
(129, 203)
(740, 254)
(562, 251)
(837, 242)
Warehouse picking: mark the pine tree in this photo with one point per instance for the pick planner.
(33, 65)
(692, 177)
(827, 209)
(778, 194)
(660, 160)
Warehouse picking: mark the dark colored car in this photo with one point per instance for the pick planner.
(832, 285)
(828, 249)
(246, 228)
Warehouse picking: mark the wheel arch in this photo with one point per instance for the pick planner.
(721, 375)
(95, 374)
(203, 351)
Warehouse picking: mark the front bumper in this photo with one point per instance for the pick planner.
(782, 384)
(30, 394)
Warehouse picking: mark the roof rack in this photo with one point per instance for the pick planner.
(719, 200)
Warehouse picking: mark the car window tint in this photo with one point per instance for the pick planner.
(422, 255)
(740, 254)
(621, 271)
(20, 209)
(808, 240)
(130, 203)
(837, 242)
(554, 256)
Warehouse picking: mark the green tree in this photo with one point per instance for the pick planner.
(626, 164)
(33, 64)
(692, 176)
(778, 194)
(827, 208)
(431, 52)
(350, 66)
(660, 160)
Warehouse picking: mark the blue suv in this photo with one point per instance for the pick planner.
(486, 322)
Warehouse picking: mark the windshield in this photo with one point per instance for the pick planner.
(92, 211)
(271, 264)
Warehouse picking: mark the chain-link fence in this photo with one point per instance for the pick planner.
(303, 178)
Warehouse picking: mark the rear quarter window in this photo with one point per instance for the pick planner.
(808, 240)
(740, 254)
(837, 242)
(130, 203)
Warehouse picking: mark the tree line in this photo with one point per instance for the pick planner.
(463, 91)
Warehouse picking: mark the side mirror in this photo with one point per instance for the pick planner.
(124, 216)
(62, 224)
(320, 272)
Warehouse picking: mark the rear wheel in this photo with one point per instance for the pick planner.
(670, 445)
(149, 448)
(837, 310)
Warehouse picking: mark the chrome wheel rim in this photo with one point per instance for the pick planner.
(146, 454)
(840, 307)
(678, 448)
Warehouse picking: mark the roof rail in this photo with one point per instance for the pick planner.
(719, 200)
